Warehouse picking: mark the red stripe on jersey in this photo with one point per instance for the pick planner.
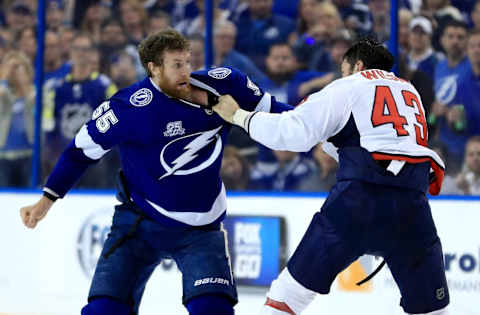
(436, 185)
(281, 306)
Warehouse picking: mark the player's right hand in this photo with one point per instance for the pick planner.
(226, 107)
(32, 214)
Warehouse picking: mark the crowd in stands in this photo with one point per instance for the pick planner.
(290, 48)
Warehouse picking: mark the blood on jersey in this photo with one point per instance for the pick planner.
(380, 74)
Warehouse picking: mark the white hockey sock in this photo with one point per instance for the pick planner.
(286, 289)
(443, 311)
(267, 310)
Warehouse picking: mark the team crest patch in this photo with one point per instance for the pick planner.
(141, 98)
(219, 73)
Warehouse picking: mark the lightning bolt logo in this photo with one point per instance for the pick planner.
(201, 140)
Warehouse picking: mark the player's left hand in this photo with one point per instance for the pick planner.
(226, 107)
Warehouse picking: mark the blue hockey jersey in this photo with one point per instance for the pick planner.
(170, 149)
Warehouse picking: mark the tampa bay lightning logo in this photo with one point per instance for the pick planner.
(141, 98)
(447, 89)
(219, 73)
(189, 152)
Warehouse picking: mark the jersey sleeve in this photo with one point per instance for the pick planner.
(246, 92)
(318, 118)
(108, 127)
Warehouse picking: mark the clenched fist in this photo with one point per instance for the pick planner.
(34, 213)
(226, 107)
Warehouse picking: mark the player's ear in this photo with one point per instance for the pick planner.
(154, 69)
(359, 66)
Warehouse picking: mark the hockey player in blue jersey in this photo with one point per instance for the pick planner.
(173, 200)
(375, 124)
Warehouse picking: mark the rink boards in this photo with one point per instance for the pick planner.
(48, 270)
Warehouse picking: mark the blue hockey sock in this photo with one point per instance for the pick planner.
(105, 306)
(210, 304)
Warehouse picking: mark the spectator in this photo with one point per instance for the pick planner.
(174, 10)
(327, 25)
(122, 70)
(17, 103)
(464, 6)
(421, 55)
(467, 114)
(93, 19)
(55, 14)
(27, 42)
(475, 15)
(19, 17)
(197, 25)
(441, 13)
(286, 8)
(225, 55)
(258, 29)
(158, 21)
(166, 6)
(340, 44)
(66, 36)
(94, 57)
(468, 181)
(355, 15)
(54, 65)
(197, 48)
(4, 47)
(134, 19)
(380, 16)
(306, 18)
(324, 177)
(112, 40)
(235, 170)
(449, 185)
(404, 19)
(284, 78)
(312, 49)
(287, 173)
(71, 103)
(449, 75)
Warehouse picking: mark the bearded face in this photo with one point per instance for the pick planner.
(172, 76)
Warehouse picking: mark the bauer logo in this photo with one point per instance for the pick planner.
(211, 281)
(92, 235)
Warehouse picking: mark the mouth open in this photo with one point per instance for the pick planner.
(182, 84)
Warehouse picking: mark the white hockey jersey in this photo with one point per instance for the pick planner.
(386, 112)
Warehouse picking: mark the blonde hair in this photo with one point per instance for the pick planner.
(405, 15)
(21, 58)
(330, 9)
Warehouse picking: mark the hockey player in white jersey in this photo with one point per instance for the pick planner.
(376, 124)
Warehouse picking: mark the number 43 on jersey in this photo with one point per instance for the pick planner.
(384, 98)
